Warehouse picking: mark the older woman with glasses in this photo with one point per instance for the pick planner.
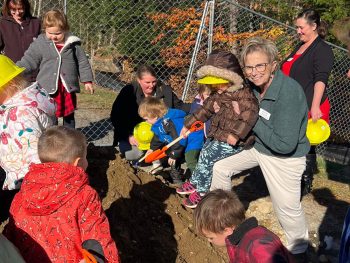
(280, 145)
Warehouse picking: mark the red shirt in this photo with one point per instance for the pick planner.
(286, 67)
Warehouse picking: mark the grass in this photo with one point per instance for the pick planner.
(103, 98)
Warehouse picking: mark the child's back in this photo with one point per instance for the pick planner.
(56, 214)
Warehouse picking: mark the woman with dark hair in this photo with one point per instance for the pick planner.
(310, 64)
(124, 115)
(18, 29)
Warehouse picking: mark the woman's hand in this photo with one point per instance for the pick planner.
(315, 113)
(183, 132)
(89, 87)
(231, 139)
(133, 141)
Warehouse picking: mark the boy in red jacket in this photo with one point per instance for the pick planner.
(220, 217)
(56, 214)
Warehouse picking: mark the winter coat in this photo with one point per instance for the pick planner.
(226, 121)
(251, 243)
(315, 64)
(281, 127)
(23, 118)
(56, 214)
(124, 114)
(71, 63)
(15, 38)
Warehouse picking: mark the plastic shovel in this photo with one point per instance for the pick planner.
(160, 153)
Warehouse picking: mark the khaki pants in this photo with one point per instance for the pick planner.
(282, 176)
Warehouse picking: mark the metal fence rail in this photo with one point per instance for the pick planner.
(119, 35)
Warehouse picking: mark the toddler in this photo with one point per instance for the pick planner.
(166, 126)
(233, 111)
(61, 62)
(56, 214)
(220, 217)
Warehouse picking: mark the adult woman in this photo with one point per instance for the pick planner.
(18, 28)
(310, 65)
(281, 143)
(124, 115)
(26, 110)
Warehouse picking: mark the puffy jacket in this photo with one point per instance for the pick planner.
(71, 63)
(23, 118)
(56, 214)
(226, 121)
(251, 243)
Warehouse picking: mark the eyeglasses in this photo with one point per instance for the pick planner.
(259, 68)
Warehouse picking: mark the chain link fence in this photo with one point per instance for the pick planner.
(119, 35)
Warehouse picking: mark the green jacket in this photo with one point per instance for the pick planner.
(281, 127)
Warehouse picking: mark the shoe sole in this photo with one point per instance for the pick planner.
(190, 206)
(185, 192)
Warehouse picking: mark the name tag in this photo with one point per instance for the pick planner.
(265, 114)
(290, 59)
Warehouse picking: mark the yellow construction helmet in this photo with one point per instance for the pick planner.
(210, 80)
(317, 132)
(143, 135)
(8, 71)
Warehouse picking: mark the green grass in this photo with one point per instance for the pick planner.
(103, 98)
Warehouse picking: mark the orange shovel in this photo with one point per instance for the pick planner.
(160, 153)
(89, 258)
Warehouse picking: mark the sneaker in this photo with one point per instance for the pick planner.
(193, 200)
(186, 189)
(156, 167)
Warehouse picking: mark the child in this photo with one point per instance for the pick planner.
(166, 125)
(233, 111)
(220, 217)
(56, 213)
(26, 111)
(204, 92)
(61, 62)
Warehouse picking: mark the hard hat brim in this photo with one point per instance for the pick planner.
(210, 80)
(11, 77)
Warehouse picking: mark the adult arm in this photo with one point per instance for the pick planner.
(179, 104)
(94, 228)
(322, 67)
(124, 114)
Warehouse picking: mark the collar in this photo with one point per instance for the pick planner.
(274, 89)
(242, 229)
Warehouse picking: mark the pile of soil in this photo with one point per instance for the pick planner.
(149, 224)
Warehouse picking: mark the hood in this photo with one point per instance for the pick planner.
(32, 97)
(175, 114)
(69, 39)
(48, 186)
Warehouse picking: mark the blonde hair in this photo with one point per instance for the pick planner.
(55, 18)
(261, 45)
(218, 210)
(152, 107)
(15, 85)
(59, 144)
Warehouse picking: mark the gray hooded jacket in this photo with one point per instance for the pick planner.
(70, 63)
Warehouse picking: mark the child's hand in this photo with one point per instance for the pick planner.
(89, 87)
(183, 132)
(171, 161)
(149, 152)
(231, 140)
(133, 141)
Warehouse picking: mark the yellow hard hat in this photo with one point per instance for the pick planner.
(8, 71)
(210, 80)
(143, 135)
(317, 132)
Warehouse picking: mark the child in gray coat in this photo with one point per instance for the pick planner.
(61, 62)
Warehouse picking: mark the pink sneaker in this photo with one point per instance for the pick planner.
(186, 189)
(193, 200)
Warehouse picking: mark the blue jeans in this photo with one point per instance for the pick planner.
(212, 151)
